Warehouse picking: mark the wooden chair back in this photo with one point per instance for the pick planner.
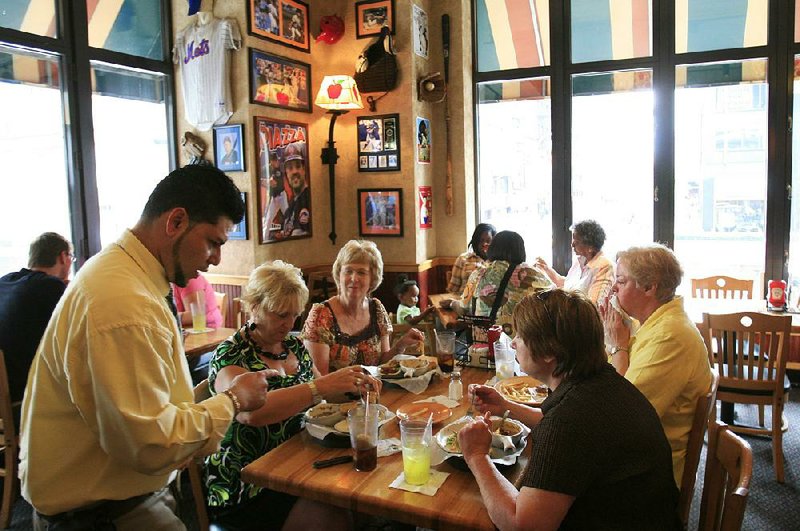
(750, 350)
(704, 413)
(722, 287)
(729, 468)
(222, 304)
(9, 448)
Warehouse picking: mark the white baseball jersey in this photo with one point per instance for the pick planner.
(201, 52)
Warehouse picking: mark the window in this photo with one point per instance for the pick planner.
(80, 140)
(667, 123)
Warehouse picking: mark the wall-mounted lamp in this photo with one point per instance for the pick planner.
(338, 94)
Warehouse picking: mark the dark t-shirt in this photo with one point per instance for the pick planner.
(600, 440)
(27, 299)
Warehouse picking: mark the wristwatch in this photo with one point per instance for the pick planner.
(614, 350)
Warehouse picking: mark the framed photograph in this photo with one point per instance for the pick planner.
(378, 142)
(239, 231)
(281, 21)
(284, 194)
(380, 212)
(423, 140)
(276, 81)
(372, 15)
(229, 147)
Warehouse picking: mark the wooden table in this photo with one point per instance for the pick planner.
(457, 504)
(198, 344)
(448, 317)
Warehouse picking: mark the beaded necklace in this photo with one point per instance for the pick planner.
(277, 357)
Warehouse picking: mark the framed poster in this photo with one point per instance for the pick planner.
(423, 140)
(229, 147)
(425, 203)
(284, 196)
(372, 15)
(276, 81)
(239, 231)
(281, 21)
(378, 142)
(380, 212)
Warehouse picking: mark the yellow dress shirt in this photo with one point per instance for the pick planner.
(669, 365)
(108, 410)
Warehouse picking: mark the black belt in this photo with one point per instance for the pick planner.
(98, 516)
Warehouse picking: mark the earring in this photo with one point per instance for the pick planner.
(251, 325)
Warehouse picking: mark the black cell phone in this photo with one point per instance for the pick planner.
(333, 461)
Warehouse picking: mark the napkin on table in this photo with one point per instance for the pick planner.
(436, 479)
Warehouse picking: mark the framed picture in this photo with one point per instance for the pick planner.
(379, 143)
(380, 212)
(229, 147)
(276, 81)
(284, 196)
(239, 231)
(281, 21)
(372, 15)
(423, 140)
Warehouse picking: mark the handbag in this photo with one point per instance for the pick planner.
(376, 67)
(479, 324)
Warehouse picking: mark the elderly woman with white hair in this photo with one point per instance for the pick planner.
(666, 359)
(275, 295)
(353, 327)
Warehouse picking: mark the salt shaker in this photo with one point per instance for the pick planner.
(456, 389)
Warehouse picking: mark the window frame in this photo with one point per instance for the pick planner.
(75, 57)
(779, 52)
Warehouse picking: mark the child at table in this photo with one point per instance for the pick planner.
(407, 293)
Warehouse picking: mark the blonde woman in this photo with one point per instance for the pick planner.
(353, 327)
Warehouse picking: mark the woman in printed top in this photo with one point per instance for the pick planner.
(353, 327)
(467, 262)
(275, 295)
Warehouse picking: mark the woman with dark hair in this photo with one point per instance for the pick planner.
(591, 272)
(467, 262)
(600, 459)
(505, 258)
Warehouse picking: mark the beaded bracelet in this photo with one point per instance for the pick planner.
(237, 406)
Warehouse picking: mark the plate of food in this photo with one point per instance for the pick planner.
(398, 368)
(522, 390)
(424, 410)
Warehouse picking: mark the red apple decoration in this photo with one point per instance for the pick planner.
(282, 98)
(334, 91)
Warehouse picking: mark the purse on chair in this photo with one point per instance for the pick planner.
(376, 67)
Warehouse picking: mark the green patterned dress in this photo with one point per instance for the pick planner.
(244, 444)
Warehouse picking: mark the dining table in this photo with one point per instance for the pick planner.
(198, 343)
(447, 317)
(457, 504)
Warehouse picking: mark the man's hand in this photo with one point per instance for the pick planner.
(251, 388)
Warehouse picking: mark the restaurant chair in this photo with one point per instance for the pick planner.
(722, 287)
(705, 412)
(750, 350)
(10, 446)
(222, 304)
(729, 468)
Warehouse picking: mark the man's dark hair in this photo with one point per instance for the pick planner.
(45, 249)
(205, 192)
(507, 245)
(475, 241)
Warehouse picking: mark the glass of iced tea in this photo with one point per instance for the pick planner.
(363, 426)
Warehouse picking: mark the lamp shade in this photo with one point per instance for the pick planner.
(339, 93)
